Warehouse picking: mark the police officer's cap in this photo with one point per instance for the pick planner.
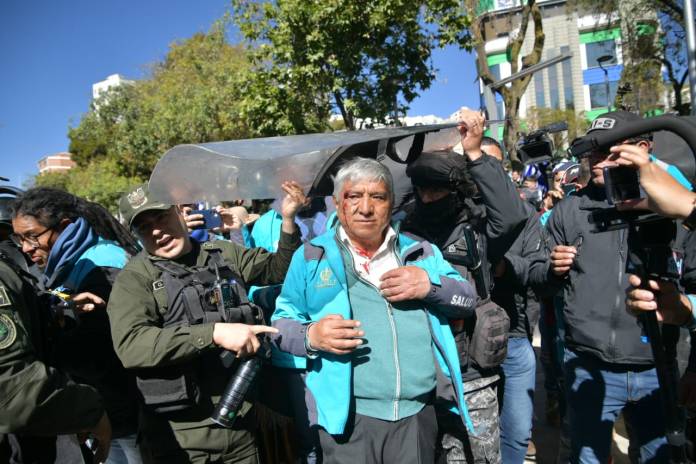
(138, 201)
(443, 169)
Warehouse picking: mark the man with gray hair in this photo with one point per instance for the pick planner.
(364, 309)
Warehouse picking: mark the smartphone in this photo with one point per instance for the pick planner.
(211, 218)
(621, 184)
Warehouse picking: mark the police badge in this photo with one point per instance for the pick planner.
(8, 331)
(137, 198)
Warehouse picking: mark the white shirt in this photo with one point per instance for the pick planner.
(384, 259)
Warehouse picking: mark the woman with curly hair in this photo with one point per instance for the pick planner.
(80, 247)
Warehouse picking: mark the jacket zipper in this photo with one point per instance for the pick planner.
(392, 324)
(617, 301)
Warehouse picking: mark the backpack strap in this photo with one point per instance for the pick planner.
(217, 263)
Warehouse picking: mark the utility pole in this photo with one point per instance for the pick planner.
(691, 50)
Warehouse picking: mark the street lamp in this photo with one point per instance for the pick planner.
(600, 60)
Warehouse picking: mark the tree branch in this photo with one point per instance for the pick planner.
(673, 8)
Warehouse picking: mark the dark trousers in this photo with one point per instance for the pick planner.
(374, 441)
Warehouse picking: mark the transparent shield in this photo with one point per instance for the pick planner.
(255, 168)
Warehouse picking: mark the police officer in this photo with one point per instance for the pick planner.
(37, 401)
(169, 328)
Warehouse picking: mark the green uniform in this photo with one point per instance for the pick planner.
(136, 307)
(35, 399)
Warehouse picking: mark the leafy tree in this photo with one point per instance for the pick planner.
(652, 37)
(366, 59)
(97, 181)
(192, 96)
(59, 180)
(577, 125)
(511, 94)
(99, 128)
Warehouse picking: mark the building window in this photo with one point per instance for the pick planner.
(594, 50)
(503, 4)
(500, 108)
(539, 89)
(553, 87)
(567, 80)
(598, 94)
(495, 70)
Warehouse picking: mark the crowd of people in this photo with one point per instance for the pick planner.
(368, 335)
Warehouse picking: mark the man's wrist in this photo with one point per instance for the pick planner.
(689, 214)
(690, 303)
(311, 351)
(288, 225)
(474, 154)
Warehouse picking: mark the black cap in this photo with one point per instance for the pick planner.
(616, 120)
(438, 169)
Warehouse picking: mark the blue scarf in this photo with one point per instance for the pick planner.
(72, 243)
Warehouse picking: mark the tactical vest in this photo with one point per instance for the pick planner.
(187, 296)
(484, 340)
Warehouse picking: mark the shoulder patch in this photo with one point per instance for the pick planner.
(8, 331)
(157, 285)
(4, 299)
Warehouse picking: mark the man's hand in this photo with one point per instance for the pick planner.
(687, 390)
(193, 221)
(240, 338)
(334, 334)
(471, 130)
(666, 196)
(672, 307)
(405, 283)
(230, 221)
(101, 434)
(86, 302)
(292, 202)
(562, 258)
(552, 197)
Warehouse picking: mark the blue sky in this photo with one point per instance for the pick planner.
(52, 52)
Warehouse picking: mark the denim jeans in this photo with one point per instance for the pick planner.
(597, 392)
(124, 450)
(517, 410)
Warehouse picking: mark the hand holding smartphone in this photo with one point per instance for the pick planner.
(211, 218)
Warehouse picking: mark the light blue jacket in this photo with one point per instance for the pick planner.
(316, 286)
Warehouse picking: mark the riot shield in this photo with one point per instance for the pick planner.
(255, 168)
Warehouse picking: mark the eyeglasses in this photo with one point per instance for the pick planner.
(32, 239)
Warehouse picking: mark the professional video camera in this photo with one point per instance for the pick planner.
(537, 146)
(230, 296)
(652, 253)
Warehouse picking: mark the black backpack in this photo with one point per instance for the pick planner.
(487, 341)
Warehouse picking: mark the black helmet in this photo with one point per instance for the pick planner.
(7, 197)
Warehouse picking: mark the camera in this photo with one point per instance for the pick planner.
(211, 218)
(621, 184)
(537, 146)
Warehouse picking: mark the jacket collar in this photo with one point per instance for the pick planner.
(593, 197)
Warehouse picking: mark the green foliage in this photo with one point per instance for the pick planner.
(193, 96)
(357, 56)
(652, 37)
(577, 125)
(96, 182)
(59, 180)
